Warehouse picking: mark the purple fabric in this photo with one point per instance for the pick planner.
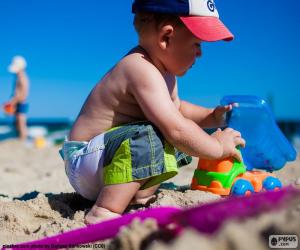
(209, 217)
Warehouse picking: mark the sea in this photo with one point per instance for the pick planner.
(54, 130)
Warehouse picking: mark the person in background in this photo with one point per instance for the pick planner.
(17, 105)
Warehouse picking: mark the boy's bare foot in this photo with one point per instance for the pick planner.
(99, 214)
(143, 201)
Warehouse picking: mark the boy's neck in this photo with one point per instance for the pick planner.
(151, 54)
(20, 73)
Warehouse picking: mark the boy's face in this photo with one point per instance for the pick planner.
(182, 51)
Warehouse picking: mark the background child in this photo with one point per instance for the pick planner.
(125, 138)
(17, 104)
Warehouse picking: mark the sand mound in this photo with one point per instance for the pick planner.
(33, 219)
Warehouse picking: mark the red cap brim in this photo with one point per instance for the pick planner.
(208, 29)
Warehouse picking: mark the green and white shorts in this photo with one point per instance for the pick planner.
(123, 154)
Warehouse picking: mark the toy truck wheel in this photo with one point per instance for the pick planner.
(242, 187)
(271, 183)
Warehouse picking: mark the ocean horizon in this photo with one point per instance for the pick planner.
(55, 129)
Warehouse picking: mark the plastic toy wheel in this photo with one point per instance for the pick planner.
(271, 183)
(242, 187)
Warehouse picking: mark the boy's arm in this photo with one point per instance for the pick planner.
(205, 117)
(198, 114)
(150, 90)
(21, 90)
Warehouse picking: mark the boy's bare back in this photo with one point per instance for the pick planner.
(112, 102)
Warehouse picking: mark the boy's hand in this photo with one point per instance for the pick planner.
(229, 139)
(220, 113)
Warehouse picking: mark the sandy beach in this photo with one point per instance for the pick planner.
(36, 200)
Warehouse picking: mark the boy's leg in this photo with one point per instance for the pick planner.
(145, 196)
(21, 125)
(112, 201)
(147, 156)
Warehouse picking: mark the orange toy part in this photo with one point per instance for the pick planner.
(220, 166)
(9, 108)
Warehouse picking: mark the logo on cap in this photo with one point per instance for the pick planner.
(211, 5)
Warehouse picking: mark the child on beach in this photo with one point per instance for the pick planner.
(17, 103)
(127, 137)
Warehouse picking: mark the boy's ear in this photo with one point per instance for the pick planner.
(165, 35)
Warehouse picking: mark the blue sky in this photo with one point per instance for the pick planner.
(70, 44)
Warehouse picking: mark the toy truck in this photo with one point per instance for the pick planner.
(230, 177)
(267, 150)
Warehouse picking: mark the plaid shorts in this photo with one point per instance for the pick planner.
(138, 151)
(127, 153)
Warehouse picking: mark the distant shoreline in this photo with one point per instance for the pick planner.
(52, 128)
(290, 128)
(39, 121)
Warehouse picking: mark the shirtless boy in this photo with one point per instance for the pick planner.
(123, 142)
(18, 99)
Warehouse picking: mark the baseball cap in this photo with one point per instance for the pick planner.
(18, 63)
(199, 16)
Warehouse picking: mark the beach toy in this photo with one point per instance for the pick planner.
(8, 108)
(266, 149)
(40, 142)
(207, 218)
(266, 146)
(228, 176)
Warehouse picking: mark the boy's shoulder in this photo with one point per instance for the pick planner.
(137, 66)
(136, 60)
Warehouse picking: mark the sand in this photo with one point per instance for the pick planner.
(36, 200)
